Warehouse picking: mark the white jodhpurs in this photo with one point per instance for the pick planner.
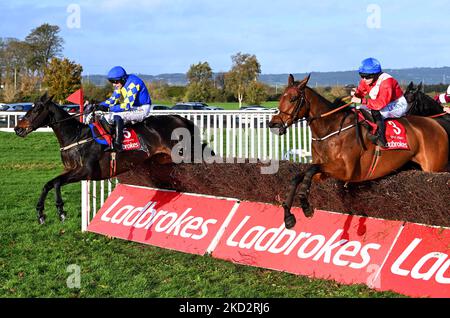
(134, 115)
(395, 109)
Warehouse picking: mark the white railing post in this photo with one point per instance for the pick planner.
(85, 206)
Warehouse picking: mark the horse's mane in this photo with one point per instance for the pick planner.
(61, 110)
(332, 105)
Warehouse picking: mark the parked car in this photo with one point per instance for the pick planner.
(194, 103)
(254, 107)
(245, 122)
(214, 108)
(71, 108)
(19, 107)
(16, 107)
(189, 106)
(159, 107)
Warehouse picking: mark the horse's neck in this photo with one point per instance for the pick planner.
(429, 105)
(319, 106)
(66, 129)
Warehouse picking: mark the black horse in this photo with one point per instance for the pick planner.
(421, 104)
(85, 159)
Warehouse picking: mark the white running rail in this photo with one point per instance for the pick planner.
(8, 120)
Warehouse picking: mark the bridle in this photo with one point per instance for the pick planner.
(300, 100)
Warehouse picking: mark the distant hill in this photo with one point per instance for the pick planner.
(428, 75)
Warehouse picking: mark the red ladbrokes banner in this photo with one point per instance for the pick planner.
(411, 259)
(346, 248)
(419, 264)
(182, 222)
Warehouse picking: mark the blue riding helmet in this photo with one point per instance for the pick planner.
(370, 66)
(117, 73)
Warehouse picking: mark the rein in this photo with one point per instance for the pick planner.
(76, 144)
(332, 111)
(438, 115)
(299, 104)
(69, 118)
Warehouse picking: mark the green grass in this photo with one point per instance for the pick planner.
(34, 258)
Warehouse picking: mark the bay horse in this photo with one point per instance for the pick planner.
(85, 159)
(335, 149)
(421, 104)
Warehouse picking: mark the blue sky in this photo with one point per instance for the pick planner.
(287, 36)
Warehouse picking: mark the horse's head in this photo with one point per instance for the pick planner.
(420, 104)
(38, 116)
(293, 105)
(412, 92)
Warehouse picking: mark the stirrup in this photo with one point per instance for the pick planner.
(109, 149)
(118, 148)
(382, 143)
(373, 138)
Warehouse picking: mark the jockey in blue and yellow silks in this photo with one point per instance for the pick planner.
(130, 102)
(132, 91)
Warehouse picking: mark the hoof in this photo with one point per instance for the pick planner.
(62, 217)
(41, 219)
(307, 211)
(289, 221)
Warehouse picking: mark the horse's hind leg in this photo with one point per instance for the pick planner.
(304, 190)
(289, 218)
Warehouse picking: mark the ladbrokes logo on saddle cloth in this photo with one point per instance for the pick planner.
(130, 138)
(182, 222)
(396, 135)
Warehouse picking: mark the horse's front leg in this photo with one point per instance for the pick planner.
(57, 183)
(289, 218)
(304, 190)
(40, 205)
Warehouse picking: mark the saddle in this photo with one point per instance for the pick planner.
(102, 133)
(395, 130)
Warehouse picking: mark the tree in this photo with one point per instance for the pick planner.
(158, 90)
(244, 71)
(201, 84)
(62, 77)
(256, 93)
(45, 44)
(96, 94)
(13, 58)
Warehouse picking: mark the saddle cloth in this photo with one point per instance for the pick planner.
(395, 133)
(130, 138)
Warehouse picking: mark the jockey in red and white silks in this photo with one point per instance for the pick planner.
(384, 95)
(380, 93)
(443, 98)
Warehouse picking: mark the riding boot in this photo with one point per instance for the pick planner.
(381, 131)
(118, 137)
